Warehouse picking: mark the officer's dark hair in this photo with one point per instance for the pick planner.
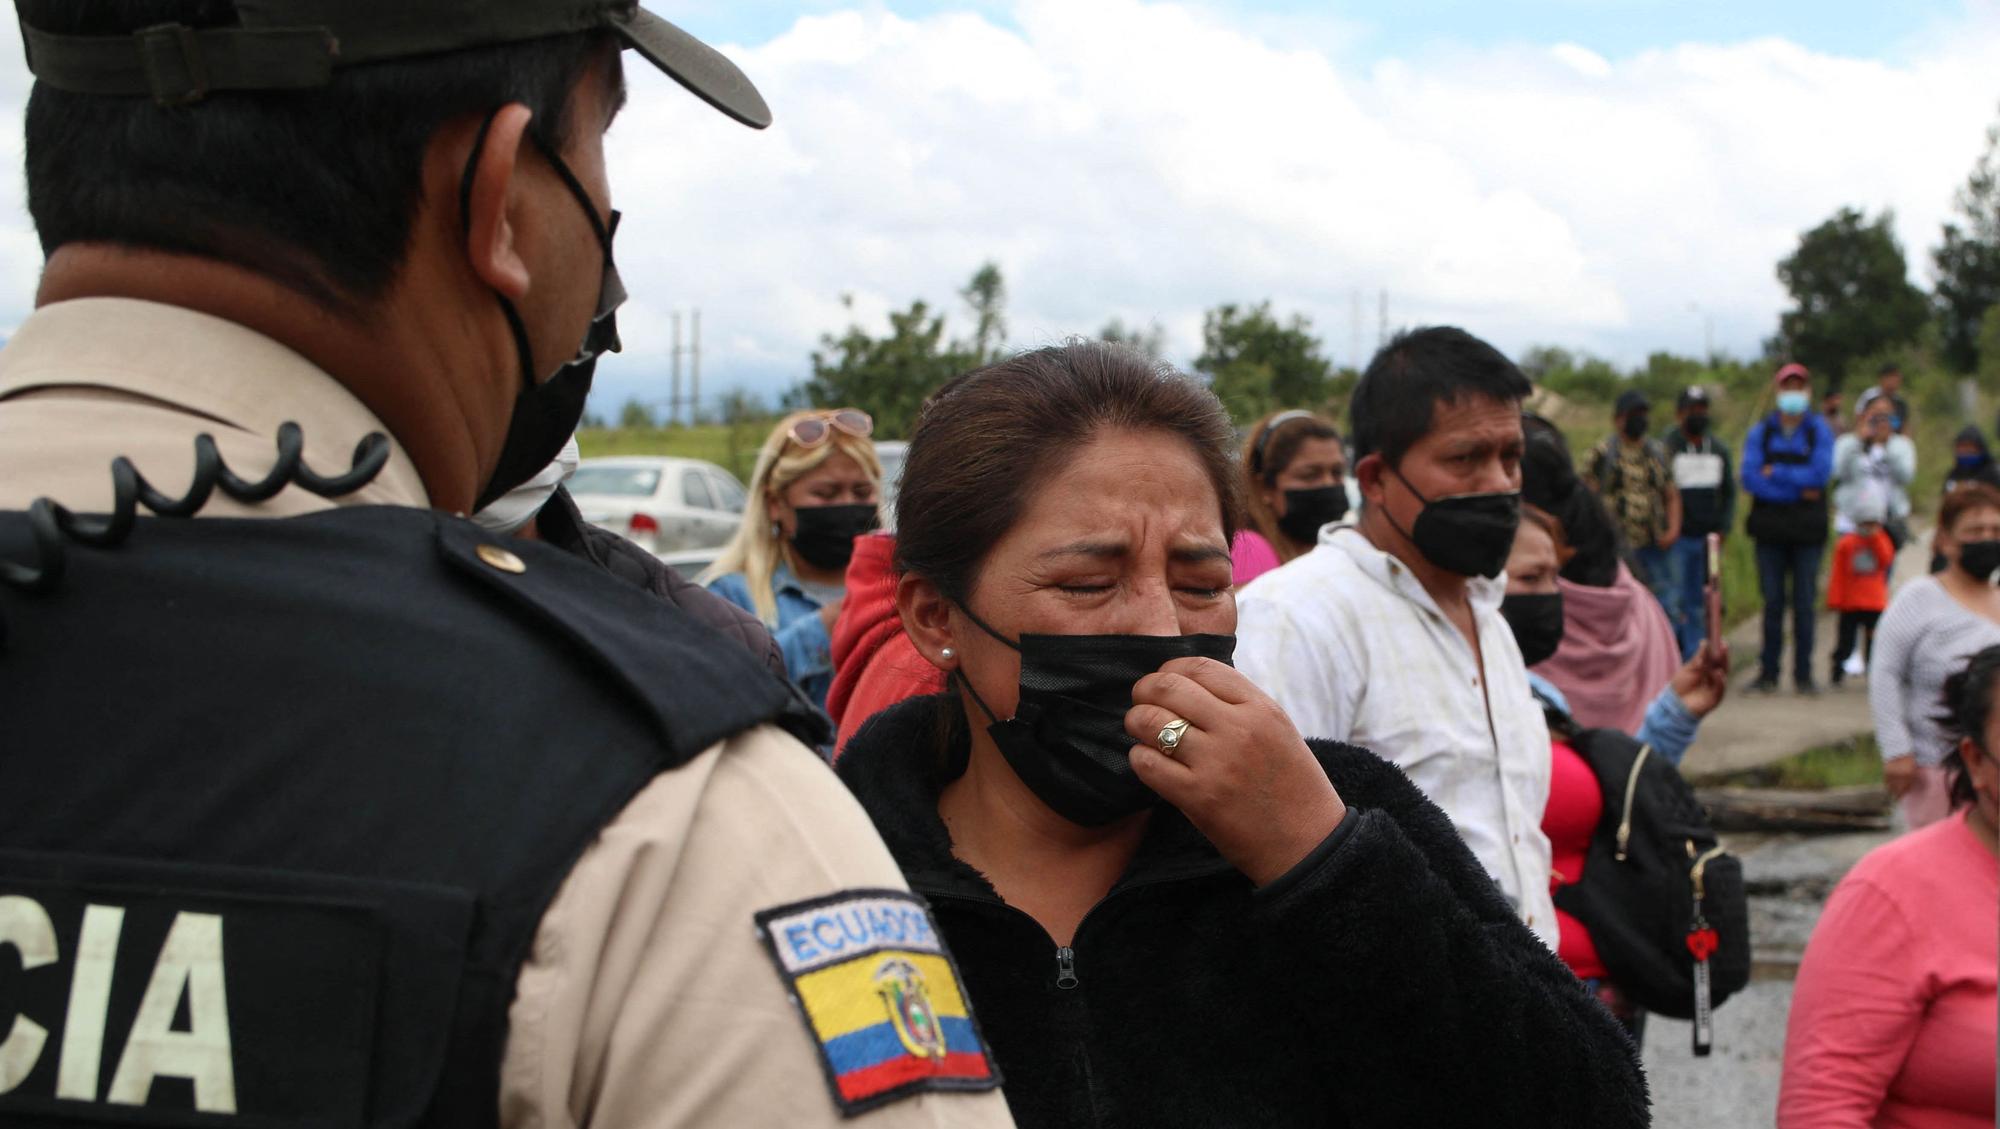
(989, 439)
(315, 189)
(1968, 705)
(1397, 398)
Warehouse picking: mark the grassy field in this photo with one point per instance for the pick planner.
(1846, 764)
(732, 448)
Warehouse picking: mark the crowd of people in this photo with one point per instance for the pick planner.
(1302, 776)
(1442, 585)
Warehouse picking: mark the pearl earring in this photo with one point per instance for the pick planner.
(947, 654)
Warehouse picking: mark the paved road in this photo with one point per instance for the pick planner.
(1750, 731)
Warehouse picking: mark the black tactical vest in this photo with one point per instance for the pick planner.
(283, 801)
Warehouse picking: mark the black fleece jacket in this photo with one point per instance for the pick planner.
(1383, 982)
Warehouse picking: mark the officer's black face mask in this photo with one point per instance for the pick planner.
(1307, 510)
(1537, 622)
(824, 536)
(1469, 534)
(1067, 739)
(547, 414)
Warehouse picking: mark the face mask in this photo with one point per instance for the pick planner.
(546, 414)
(1307, 510)
(517, 507)
(1636, 425)
(1067, 739)
(1537, 621)
(1469, 534)
(1979, 559)
(1793, 403)
(1970, 462)
(1696, 426)
(825, 534)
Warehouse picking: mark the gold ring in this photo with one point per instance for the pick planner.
(1171, 734)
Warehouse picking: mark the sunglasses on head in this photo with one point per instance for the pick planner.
(814, 430)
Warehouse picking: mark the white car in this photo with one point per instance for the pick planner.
(665, 505)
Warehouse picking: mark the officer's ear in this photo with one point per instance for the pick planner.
(927, 619)
(490, 238)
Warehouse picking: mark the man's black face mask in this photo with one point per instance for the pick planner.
(547, 414)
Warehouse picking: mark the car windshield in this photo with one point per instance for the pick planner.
(631, 481)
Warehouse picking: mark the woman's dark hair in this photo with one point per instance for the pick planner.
(1968, 705)
(315, 189)
(1269, 448)
(988, 439)
(1549, 483)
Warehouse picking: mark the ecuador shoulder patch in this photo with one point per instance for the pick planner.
(879, 994)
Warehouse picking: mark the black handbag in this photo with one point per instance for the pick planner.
(1663, 901)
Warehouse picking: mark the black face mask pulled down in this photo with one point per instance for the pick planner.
(1307, 510)
(1537, 622)
(1979, 559)
(547, 414)
(824, 537)
(1469, 534)
(1067, 739)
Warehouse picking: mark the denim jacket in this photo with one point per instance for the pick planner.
(801, 636)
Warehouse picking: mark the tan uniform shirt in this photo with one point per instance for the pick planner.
(648, 999)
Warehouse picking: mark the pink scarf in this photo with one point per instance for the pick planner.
(1617, 651)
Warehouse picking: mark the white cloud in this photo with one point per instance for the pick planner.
(1149, 160)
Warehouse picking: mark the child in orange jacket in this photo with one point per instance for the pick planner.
(1858, 587)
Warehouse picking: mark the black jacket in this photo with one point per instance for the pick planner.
(1383, 982)
(1986, 471)
(1704, 509)
(561, 524)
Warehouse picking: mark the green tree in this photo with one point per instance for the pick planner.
(636, 414)
(890, 377)
(1150, 340)
(986, 296)
(1851, 294)
(1966, 260)
(1256, 363)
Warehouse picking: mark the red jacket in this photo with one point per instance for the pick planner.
(874, 663)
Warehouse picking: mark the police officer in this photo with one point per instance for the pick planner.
(358, 813)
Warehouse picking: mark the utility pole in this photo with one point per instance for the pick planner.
(1354, 332)
(694, 373)
(1382, 325)
(674, 401)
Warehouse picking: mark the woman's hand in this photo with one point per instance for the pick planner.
(1241, 774)
(1704, 680)
(1899, 775)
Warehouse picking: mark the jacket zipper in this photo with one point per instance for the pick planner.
(1065, 967)
(1631, 787)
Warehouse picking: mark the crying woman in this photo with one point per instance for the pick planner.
(1168, 907)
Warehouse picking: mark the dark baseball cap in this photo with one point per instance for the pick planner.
(1692, 395)
(298, 44)
(1631, 400)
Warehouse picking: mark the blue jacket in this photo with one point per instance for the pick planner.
(1811, 440)
(801, 636)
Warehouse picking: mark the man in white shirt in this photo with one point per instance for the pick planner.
(1389, 635)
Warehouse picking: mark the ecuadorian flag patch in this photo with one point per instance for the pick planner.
(880, 996)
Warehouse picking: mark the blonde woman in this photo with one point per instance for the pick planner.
(815, 489)
(1295, 481)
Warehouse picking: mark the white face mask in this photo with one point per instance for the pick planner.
(517, 507)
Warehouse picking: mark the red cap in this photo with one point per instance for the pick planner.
(1792, 370)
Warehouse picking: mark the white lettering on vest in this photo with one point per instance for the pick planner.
(89, 999)
(25, 925)
(190, 963)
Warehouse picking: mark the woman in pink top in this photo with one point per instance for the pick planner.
(1893, 1018)
(1295, 481)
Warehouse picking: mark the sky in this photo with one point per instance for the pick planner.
(1612, 176)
